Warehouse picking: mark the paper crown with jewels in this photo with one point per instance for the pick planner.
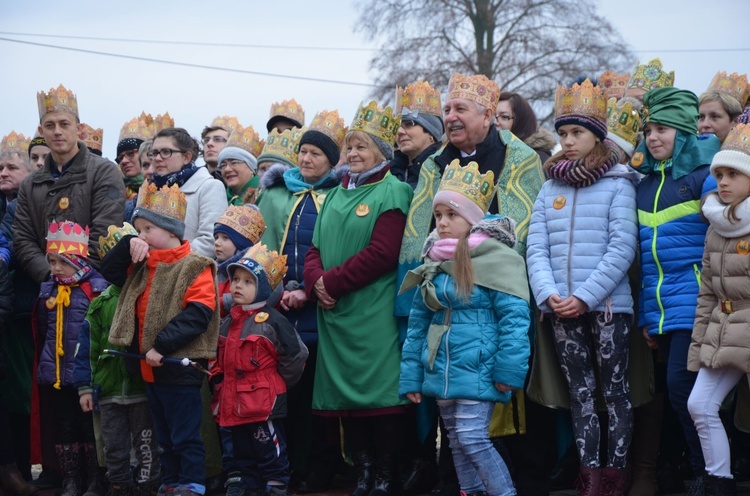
(168, 201)
(583, 99)
(246, 220)
(479, 88)
(614, 84)
(282, 146)
(419, 96)
(649, 76)
(288, 109)
(57, 100)
(141, 128)
(467, 181)
(162, 122)
(274, 265)
(226, 122)
(15, 143)
(377, 122)
(114, 235)
(330, 124)
(734, 85)
(67, 238)
(623, 124)
(247, 139)
(91, 137)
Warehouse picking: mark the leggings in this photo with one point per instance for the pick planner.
(575, 341)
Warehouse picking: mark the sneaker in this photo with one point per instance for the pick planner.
(235, 486)
(276, 491)
(165, 490)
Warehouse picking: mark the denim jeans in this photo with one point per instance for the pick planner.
(478, 464)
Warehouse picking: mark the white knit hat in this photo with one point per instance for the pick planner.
(735, 151)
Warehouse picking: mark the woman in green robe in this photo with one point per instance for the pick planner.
(351, 271)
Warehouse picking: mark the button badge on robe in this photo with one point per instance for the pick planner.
(362, 210)
(261, 317)
(64, 203)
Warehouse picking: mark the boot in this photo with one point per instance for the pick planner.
(613, 482)
(364, 466)
(720, 486)
(149, 488)
(96, 476)
(589, 480)
(387, 480)
(422, 478)
(69, 458)
(121, 490)
(13, 482)
(644, 449)
(698, 486)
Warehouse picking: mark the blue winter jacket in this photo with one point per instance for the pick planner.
(487, 343)
(582, 241)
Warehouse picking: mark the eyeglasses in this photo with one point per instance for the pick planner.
(234, 164)
(215, 139)
(504, 117)
(164, 153)
(128, 153)
(408, 124)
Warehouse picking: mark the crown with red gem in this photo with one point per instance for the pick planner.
(377, 122)
(274, 265)
(247, 139)
(57, 100)
(67, 238)
(614, 84)
(288, 109)
(168, 201)
(330, 124)
(581, 99)
(141, 127)
(15, 143)
(91, 137)
(114, 235)
(246, 220)
(734, 85)
(225, 122)
(419, 96)
(479, 88)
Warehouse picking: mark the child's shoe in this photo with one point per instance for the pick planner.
(165, 490)
(276, 491)
(235, 486)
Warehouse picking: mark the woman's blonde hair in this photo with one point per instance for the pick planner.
(367, 140)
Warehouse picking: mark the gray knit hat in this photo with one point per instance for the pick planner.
(431, 123)
(236, 153)
(165, 207)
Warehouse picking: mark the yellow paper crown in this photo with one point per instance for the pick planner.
(614, 84)
(282, 146)
(581, 99)
(734, 85)
(141, 127)
(246, 220)
(623, 120)
(479, 188)
(419, 96)
(68, 238)
(651, 76)
(91, 137)
(330, 124)
(274, 265)
(227, 123)
(114, 234)
(477, 88)
(162, 122)
(247, 139)
(738, 139)
(288, 109)
(167, 200)
(15, 143)
(57, 100)
(377, 122)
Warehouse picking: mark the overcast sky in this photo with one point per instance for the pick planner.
(695, 38)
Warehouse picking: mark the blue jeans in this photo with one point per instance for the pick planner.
(177, 422)
(478, 464)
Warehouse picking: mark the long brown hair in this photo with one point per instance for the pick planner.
(731, 212)
(463, 271)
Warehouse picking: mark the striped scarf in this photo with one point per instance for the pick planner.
(578, 173)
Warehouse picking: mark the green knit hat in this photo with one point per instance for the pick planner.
(671, 107)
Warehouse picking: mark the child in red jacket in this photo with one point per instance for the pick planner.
(260, 356)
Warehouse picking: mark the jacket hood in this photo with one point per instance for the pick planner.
(498, 227)
(620, 170)
(542, 139)
(274, 175)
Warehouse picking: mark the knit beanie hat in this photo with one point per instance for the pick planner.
(466, 191)
(243, 225)
(735, 151)
(236, 153)
(671, 107)
(268, 267)
(325, 143)
(36, 141)
(128, 144)
(164, 207)
(385, 148)
(431, 123)
(584, 105)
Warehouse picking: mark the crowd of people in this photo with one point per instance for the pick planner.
(435, 297)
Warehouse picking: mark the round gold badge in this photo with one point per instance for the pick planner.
(64, 203)
(637, 159)
(558, 203)
(742, 247)
(50, 303)
(261, 317)
(362, 210)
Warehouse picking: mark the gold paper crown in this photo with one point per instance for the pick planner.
(168, 201)
(738, 139)
(247, 139)
(15, 143)
(57, 100)
(479, 188)
(477, 88)
(246, 220)
(283, 145)
(330, 124)
(614, 84)
(67, 238)
(289, 109)
(419, 96)
(114, 234)
(162, 122)
(651, 76)
(623, 120)
(734, 85)
(227, 123)
(581, 99)
(274, 265)
(141, 127)
(91, 137)
(377, 122)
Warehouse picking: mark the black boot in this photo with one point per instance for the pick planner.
(720, 486)
(13, 482)
(422, 478)
(69, 457)
(387, 480)
(97, 484)
(364, 466)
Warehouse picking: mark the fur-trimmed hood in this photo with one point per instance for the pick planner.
(542, 140)
(499, 227)
(274, 176)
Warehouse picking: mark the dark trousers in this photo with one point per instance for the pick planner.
(177, 421)
(260, 453)
(71, 424)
